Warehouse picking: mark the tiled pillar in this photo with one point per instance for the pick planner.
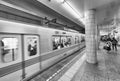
(90, 31)
(98, 38)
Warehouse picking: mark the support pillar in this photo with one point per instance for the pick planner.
(98, 38)
(90, 31)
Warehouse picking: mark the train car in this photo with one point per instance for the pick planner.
(27, 49)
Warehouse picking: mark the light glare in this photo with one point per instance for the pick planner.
(73, 11)
(60, 1)
(67, 7)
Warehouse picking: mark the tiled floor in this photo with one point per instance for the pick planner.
(107, 69)
(73, 70)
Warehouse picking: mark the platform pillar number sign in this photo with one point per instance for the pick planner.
(90, 29)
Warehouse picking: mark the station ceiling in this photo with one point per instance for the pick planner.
(106, 10)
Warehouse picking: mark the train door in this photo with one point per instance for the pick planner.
(31, 54)
(10, 57)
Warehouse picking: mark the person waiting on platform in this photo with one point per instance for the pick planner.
(114, 44)
(108, 44)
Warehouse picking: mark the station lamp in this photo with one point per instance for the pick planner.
(60, 1)
(69, 7)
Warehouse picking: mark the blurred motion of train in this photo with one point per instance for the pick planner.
(27, 49)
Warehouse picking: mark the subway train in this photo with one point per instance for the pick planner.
(26, 49)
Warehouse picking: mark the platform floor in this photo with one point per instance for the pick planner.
(107, 69)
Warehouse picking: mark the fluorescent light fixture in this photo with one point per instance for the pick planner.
(82, 20)
(73, 11)
(68, 7)
(60, 1)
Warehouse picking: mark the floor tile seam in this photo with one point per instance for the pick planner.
(79, 74)
(69, 71)
(78, 62)
(65, 66)
(63, 77)
(73, 65)
(103, 58)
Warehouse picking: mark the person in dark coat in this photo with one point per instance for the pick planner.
(114, 43)
(32, 49)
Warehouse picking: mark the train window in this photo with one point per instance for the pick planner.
(63, 42)
(60, 41)
(32, 46)
(68, 41)
(56, 42)
(82, 38)
(9, 51)
(76, 39)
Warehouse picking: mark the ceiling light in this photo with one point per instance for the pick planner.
(73, 11)
(70, 9)
(60, 1)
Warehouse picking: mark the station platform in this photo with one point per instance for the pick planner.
(107, 68)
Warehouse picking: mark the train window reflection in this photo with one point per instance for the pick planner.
(68, 41)
(56, 42)
(65, 41)
(61, 42)
(82, 38)
(76, 40)
(9, 49)
(32, 46)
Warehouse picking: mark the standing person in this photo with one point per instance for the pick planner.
(114, 44)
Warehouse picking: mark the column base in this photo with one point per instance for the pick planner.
(92, 61)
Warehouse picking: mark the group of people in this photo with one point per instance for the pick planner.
(61, 43)
(111, 43)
